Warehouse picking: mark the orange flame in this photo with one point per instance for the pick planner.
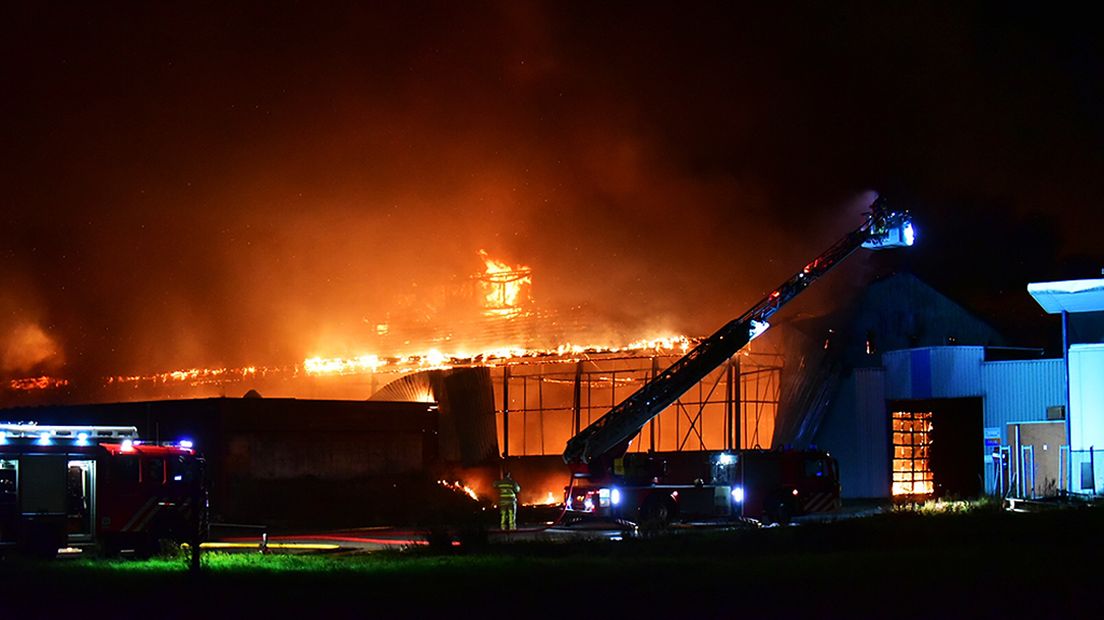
(505, 288)
(37, 383)
(434, 358)
(459, 487)
(549, 499)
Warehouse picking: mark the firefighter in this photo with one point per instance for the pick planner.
(508, 490)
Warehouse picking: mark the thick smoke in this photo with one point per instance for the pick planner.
(256, 186)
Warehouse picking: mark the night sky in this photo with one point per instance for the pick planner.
(220, 185)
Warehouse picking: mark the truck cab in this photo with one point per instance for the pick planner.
(69, 486)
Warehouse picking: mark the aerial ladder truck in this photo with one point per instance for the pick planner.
(765, 485)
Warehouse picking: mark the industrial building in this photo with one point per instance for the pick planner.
(964, 417)
(913, 394)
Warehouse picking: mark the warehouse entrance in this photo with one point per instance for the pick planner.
(936, 448)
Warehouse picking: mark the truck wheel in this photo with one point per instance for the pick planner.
(657, 512)
(780, 511)
(110, 547)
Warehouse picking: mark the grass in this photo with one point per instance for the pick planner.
(955, 562)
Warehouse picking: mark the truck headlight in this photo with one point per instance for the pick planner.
(738, 494)
(615, 496)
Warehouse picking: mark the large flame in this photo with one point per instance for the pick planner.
(505, 288)
(505, 295)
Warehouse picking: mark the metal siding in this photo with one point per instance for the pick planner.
(873, 431)
(1021, 391)
(898, 374)
(933, 372)
(956, 371)
(921, 375)
(855, 432)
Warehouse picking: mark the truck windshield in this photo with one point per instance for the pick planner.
(182, 469)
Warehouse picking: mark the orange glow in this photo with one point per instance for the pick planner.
(912, 473)
(459, 487)
(549, 499)
(37, 383)
(505, 288)
(433, 358)
(196, 376)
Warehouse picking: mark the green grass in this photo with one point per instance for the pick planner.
(978, 563)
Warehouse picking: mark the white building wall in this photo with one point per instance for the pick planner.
(1086, 416)
(1086, 396)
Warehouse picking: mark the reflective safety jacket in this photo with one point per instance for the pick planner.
(508, 491)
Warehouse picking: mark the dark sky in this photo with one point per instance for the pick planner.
(211, 184)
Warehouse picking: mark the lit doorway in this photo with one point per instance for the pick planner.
(80, 506)
(912, 474)
(938, 450)
(9, 499)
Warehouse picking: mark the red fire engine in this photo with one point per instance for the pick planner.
(68, 486)
(760, 484)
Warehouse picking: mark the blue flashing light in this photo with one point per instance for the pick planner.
(909, 234)
(186, 443)
(738, 494)
(128, 446)
(757, 329)
(615, 496)
(44, 439)
(82, 439)
(3, 438)
(726, 459)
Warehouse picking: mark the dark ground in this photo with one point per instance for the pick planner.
(987, 564)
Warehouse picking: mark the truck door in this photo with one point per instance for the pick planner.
(81, 500)
(42, 500)
(9, 499)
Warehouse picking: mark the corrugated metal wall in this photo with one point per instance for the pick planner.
(933, 372)
(1021, 391)
(873, 429)
(855, 432)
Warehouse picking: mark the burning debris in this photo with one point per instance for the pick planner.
(37, 383)
(459, 487)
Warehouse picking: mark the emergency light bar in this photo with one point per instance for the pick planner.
(46, 433)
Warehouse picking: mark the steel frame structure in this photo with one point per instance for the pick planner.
(539, 405)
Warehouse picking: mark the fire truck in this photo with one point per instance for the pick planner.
(77, 486)
(765, 485)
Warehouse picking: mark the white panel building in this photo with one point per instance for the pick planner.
(966, 419)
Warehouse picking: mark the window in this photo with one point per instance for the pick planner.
(124, 469)
(153, 471)
(816, 468)
(912, 473)
(182, 469)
